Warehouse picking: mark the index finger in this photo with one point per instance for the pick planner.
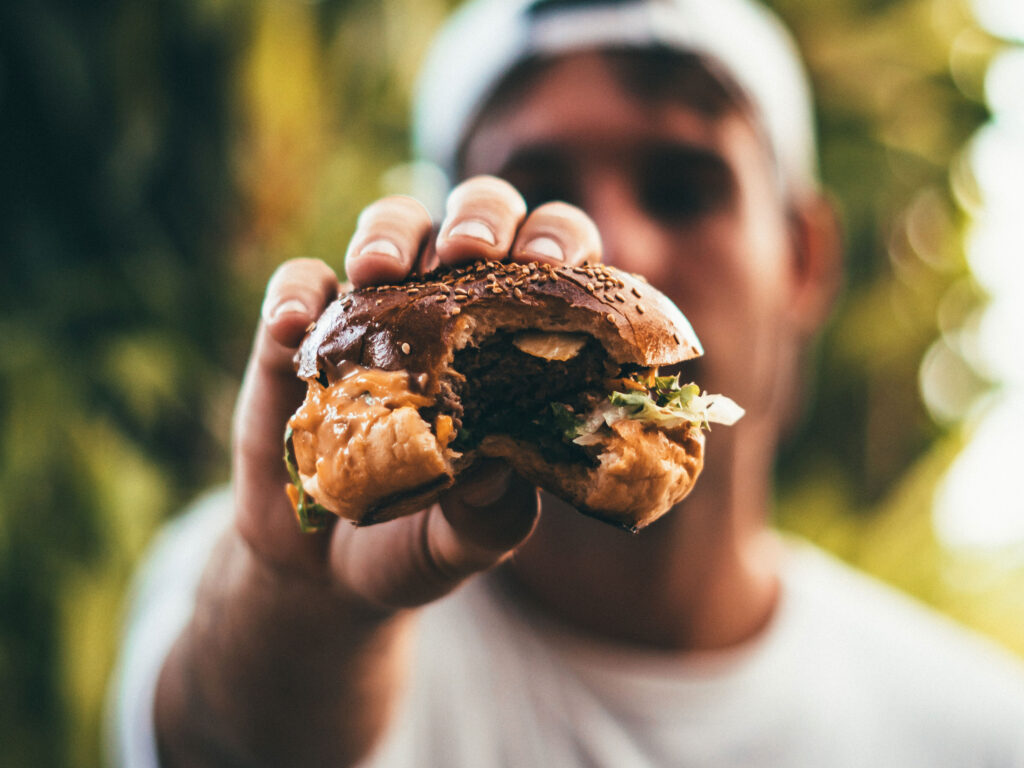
(482, 216)
(296, 295)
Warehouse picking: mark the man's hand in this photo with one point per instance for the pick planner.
(317, 620)
(490, 511)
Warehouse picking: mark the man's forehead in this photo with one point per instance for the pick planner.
(577, 108)
(487, 39)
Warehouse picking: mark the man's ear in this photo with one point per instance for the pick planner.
(817, 261)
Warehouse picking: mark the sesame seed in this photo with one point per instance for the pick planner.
(610, 318)
(311, 326)
(517, 293)
(637, 293)
(456, 310)
(406, 349)
(620, 298)
(496, 289)
(379, 302)
(675, 338)
(441, 299)
(640, 308)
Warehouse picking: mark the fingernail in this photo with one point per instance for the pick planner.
(489, 485)
(270, 314)
(545, 248)
(383, 248)
(474, 228)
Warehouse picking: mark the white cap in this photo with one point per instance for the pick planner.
(485, 39)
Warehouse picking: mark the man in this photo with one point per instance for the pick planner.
(670, 139)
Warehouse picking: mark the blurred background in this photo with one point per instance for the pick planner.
(159, 157)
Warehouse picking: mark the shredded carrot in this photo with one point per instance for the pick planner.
(625, 384)
(293, 496)
(444, 429)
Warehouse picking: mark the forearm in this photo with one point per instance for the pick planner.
(275, 670)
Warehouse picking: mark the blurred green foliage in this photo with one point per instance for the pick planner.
(900, 89)
(118, 201)
(160, 157)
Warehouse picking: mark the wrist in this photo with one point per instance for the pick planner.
(286, 588)
(260, 627)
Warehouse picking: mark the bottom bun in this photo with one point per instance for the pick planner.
(642, 472)
(394, 466)
(362, 450)
(367, 458)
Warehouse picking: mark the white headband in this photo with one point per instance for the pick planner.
(485, 39)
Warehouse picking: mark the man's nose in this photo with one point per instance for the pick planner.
(632, 240)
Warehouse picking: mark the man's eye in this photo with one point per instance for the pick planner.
(677, 191)
(674, 199)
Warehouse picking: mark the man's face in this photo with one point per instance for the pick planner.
(687, 200)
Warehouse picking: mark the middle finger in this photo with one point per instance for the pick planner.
(481, 219)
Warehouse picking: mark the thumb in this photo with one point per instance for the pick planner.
(491, 507)
(416, 559)
(296, 295)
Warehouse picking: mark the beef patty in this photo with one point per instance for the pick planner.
(507, 391)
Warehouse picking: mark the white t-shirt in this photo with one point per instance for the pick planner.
(849, 673)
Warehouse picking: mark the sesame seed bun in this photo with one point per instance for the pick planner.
(396, 359)
(414, 326)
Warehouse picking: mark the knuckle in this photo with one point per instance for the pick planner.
(568, 216)
(558, 209)
(438, 568)
(304, 278)
(410, 205)
(372, 212)
(487, 188)
(282, 272)
(394, 209)
(434, 566)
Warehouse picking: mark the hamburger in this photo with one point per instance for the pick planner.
(554, 369)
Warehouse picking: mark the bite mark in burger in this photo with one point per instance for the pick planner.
(554, 369)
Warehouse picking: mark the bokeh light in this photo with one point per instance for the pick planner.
(978, 505)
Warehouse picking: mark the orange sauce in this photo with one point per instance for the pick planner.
(362, 434)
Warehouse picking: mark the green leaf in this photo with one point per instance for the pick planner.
(669, 404)
(566, 421)
(312, 517)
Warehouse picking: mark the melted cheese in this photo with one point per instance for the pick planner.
(362, 438)
(550, 345)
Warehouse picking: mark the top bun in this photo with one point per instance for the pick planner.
(417, 325)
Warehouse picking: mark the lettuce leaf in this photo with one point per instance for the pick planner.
(311, 516)
(667, 403)
(670, 403)
(566, 422)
